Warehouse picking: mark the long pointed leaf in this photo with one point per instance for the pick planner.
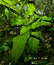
(19, 43)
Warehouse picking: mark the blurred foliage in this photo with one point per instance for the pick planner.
(26, 32)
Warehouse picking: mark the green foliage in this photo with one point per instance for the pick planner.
(7, 13)
(2, 18)
(38, 34)
(10, 4)
(5, 47)
(33, 43)
(31, 9)
(46, 18)
(27, 58)
(39, 23)
(23, 28)
(51, 29)
(17, 21)
(19, 43)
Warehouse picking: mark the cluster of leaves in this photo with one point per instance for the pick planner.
(21, 29)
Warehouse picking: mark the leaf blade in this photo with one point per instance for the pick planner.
(19, 43)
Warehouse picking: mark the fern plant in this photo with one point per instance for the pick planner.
(28, 22)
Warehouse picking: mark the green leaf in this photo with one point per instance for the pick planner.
(2, 18)
(39, 23)
(46, 18)
(10, 4)
(44, 23)
(24, 30)
(32, 18)
(38, 34)
(35, 24)
(33, 43)
(19, 43)
(5, 47)
(51, 29)
(7, 13)
(31, 9)
(19, 21)
(16, 21)
(27, 58)
(19, 0)
(13, 22)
